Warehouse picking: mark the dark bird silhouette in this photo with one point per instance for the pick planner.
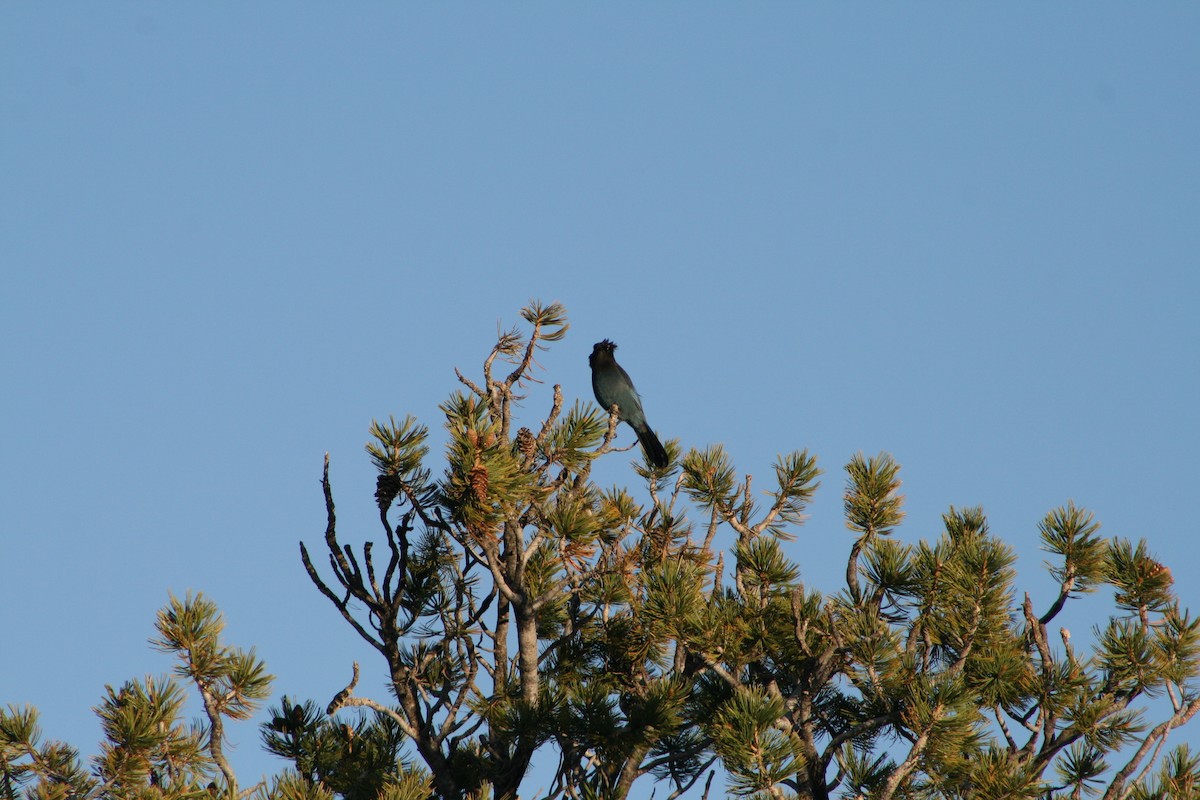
(613, 386)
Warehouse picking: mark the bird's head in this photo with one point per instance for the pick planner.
(601, 350)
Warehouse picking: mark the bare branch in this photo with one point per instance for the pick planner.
(465, 381)
(341, 604)
(346, 698)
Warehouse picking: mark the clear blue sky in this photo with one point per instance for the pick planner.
(231, 234)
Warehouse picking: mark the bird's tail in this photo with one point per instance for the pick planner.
(656, 454)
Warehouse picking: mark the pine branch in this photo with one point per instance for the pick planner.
(900, 774)
(465, 381)
(346, 698)
(216, 738)
(1153, 741)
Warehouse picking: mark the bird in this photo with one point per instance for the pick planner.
(613, 386)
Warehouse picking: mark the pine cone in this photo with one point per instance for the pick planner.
(386, 489)
(526, 443)
(479, 483)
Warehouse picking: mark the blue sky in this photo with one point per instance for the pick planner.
(231, 235)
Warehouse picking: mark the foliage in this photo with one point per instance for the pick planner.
(148, 752)
(520, 607)
(556, 611)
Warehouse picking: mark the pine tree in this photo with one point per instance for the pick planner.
(149, 752)
(518, 605)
